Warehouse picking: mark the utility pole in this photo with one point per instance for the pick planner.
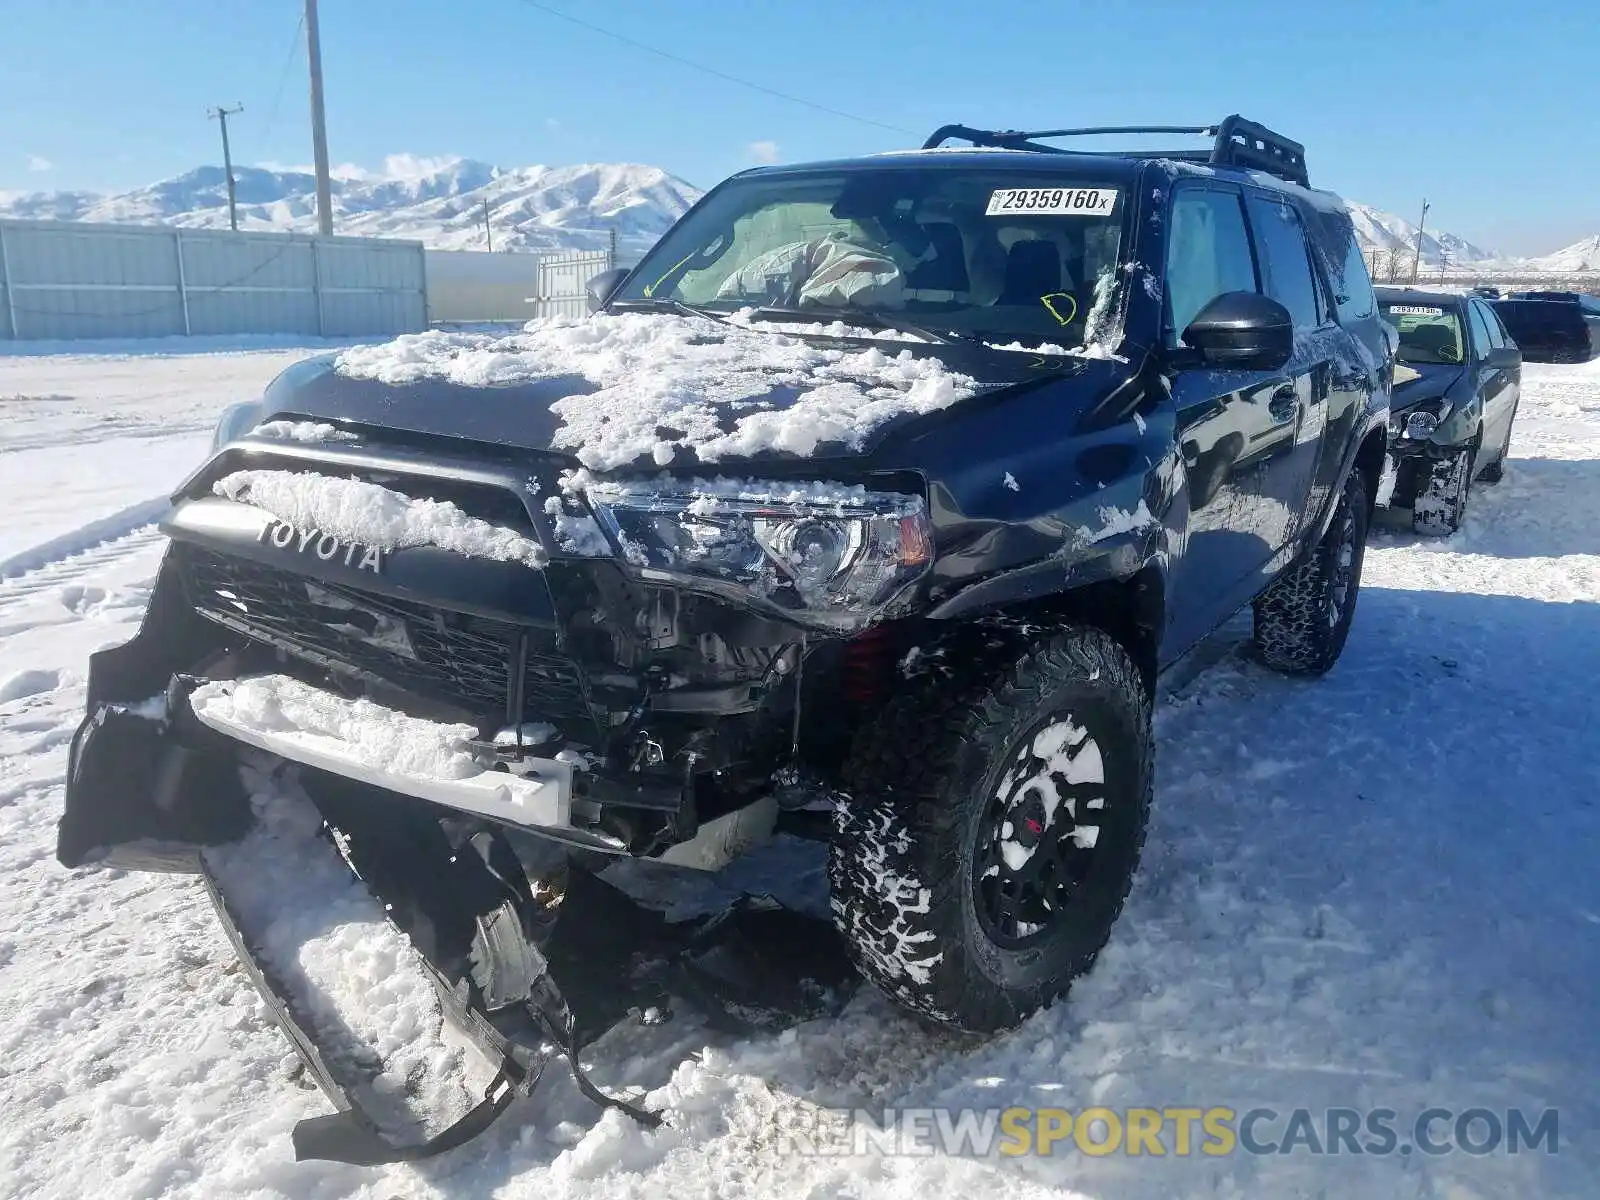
(319, 124)
(611, 247)
(1444, 262)
(1416, 259)
(488, 231)
(220, 114)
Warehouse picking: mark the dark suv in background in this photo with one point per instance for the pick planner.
(1553, 327)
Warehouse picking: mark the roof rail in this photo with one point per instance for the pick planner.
(1236, 143)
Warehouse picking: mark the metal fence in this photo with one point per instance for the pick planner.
(563, 279)
(70, 280)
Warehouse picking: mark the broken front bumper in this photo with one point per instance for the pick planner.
(150, 778)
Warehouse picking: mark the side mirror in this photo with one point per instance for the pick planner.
(1244, 331)
(600, 288)
(1503, 358)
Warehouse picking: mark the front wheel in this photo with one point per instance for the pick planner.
(993, 829)
(1303, 620)
(1441, 502)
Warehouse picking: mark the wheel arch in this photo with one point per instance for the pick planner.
(1370, 455)
(1130, 608)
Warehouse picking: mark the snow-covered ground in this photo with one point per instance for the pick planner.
(1377, 889)
(147, 410)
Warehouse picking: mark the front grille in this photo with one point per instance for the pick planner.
(435, 654)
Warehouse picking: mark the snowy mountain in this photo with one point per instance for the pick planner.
(1384, 231)
(440, 202)
(1580, 256)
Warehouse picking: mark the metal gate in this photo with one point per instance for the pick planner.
(563, 278)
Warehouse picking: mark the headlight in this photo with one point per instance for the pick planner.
(826, 555)
(237, 420)
(1420, 425)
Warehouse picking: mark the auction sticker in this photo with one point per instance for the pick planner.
(1056, 202)
(1416, 310)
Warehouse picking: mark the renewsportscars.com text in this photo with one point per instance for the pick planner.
(1177, 1131)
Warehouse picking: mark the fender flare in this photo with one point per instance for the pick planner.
(1117, 560)
(1347, 463)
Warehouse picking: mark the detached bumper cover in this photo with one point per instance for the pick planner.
(349, 1134)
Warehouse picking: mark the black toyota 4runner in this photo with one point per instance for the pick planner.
(883, 487)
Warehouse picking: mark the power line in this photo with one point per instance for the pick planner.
(283, 80)
(697, 66)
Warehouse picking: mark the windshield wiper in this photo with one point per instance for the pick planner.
(863, 317)
(671, 304)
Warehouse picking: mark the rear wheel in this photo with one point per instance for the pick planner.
(1442, 493)
(993, 830)
(1303, 620)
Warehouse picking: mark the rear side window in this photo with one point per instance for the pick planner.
(1482, 337)
(1286, 260)
(1539, 320)
(1352, 285)
(1208, 253)
(1502, 336)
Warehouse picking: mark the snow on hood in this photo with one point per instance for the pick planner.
(663, 382)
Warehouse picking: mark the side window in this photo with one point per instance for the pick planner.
(1502, 335)
(1497, 335)
(1482, 340)
(1208, 253)
(1352, 284)
(1286, 260)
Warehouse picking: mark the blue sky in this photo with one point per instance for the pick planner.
(1486, 108)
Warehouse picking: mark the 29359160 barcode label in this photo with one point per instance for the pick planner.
(1059, 202)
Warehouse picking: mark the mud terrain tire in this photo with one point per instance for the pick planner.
(1303, 620)
(941, 903)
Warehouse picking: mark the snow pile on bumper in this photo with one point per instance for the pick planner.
(365, 741)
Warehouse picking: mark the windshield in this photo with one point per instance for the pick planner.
(1001, 256)
(1427, 334)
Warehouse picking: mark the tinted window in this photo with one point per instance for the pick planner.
(1540, 320)
(1482, 339)
(1502, 336)
(1285, 260)
(1352, 284)
(1208, 253)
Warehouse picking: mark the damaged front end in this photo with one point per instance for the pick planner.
(641, 688)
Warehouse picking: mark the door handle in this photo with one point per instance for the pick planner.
(1285, 404)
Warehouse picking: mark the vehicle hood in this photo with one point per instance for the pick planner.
(1431, 382)
(693, 396)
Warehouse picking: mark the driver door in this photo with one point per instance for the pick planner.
(1228, 431)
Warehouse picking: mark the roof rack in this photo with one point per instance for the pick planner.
(1236, 143)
